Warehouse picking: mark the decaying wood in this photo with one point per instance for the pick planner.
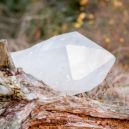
(5, 58)
(65, 113)
(27, 103)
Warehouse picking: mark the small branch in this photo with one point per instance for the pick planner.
(5, 57)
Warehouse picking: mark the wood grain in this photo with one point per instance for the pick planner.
(5, 57)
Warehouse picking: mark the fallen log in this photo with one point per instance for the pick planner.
(27, 103)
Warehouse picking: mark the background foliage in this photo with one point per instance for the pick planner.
(25, 22)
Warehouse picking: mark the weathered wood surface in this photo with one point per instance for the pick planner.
(5, 58)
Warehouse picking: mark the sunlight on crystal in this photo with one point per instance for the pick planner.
(81, 64)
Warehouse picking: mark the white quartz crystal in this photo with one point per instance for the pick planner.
(70, 63)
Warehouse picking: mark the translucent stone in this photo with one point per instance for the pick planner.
(70, 63)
